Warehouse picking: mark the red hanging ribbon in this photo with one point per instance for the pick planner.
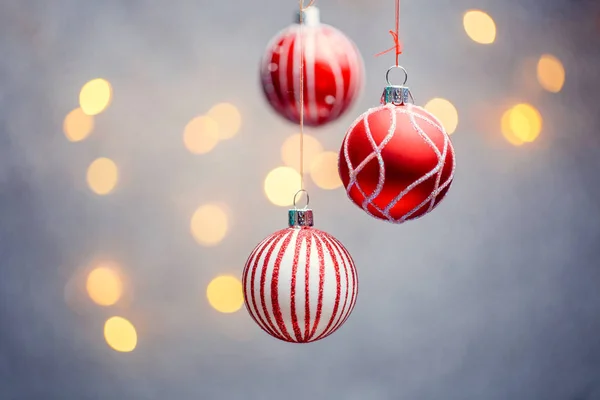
(396, 35)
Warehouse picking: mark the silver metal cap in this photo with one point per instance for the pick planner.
(311, 16)
(397, 95)
(300, 218)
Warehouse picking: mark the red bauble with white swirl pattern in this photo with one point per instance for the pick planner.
(333, 72)
(397, 162)
(300, 285)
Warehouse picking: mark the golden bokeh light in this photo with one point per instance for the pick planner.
(78, 125)
(104, 285)
(120, 334)
(550, 73)
(102, 176)
(324, 171)
(290, 150)
(95, 96)
(228, 119)
(479, 26)
(445, 111)
(507, 131)
(521, 124)
(281, 184)
(201, 135)
(209, 225)
(525, 122)
(225, 294)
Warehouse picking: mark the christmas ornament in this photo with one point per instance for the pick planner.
(396, 161)
(300, 283)
(333, 73)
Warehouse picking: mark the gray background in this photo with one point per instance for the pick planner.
(493, 296)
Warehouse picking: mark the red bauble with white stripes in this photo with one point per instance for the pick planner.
(300, 284)
(397, 161)
(333, 71)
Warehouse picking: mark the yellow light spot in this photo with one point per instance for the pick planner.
(290, 150)
(102, 176)
(480, 27)
(104, 285)
(78, 125)
(281, 184)
(201, 135)
(324, 171)
(95, 96)
(525, 122)
(507, 131)
(225, 294)
(228, 119)
(550, 73)
(209, 224)
(445, 111)
(120, 334)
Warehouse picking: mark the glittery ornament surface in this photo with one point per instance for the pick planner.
(397, 162)
(300, 284)
(333, 73)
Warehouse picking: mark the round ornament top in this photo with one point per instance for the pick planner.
(396, 94)
(300, 217)
(311, 16)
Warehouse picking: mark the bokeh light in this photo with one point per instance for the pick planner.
(95, 96)
(104, 285)
(120, 334)
(507, 132)
(521, 124)
(102, 176)
(445, 111)
(201, 135)
(225, 294)
(228, 119)
(209, 225)
(290, 150)
(480, 27)
(281, 184)
(324, 171)
(550, 73)
(78, 125)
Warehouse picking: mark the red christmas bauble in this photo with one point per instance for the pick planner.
(397, 162)
(333, 72)
(300, 284)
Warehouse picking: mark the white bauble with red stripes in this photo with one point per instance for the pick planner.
(300, 284)
(333, 71)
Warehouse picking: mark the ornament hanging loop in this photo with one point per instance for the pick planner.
(303, 217)
(397, 95)
(299, 192)
(387, 74)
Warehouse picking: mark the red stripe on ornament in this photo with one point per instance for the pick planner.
(293, 76)
(284, 91)
(336, 247)
(307, 287)
(337, 73)
(311, 107)
(298, 244)
(338, 288)
(319, 311)
(247, 269)
(275, 286)
(269, 326)
(251, 269)
(271, 85)
(347, 263)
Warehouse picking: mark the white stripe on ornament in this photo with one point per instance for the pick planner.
(336, 69)
(283, 64)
